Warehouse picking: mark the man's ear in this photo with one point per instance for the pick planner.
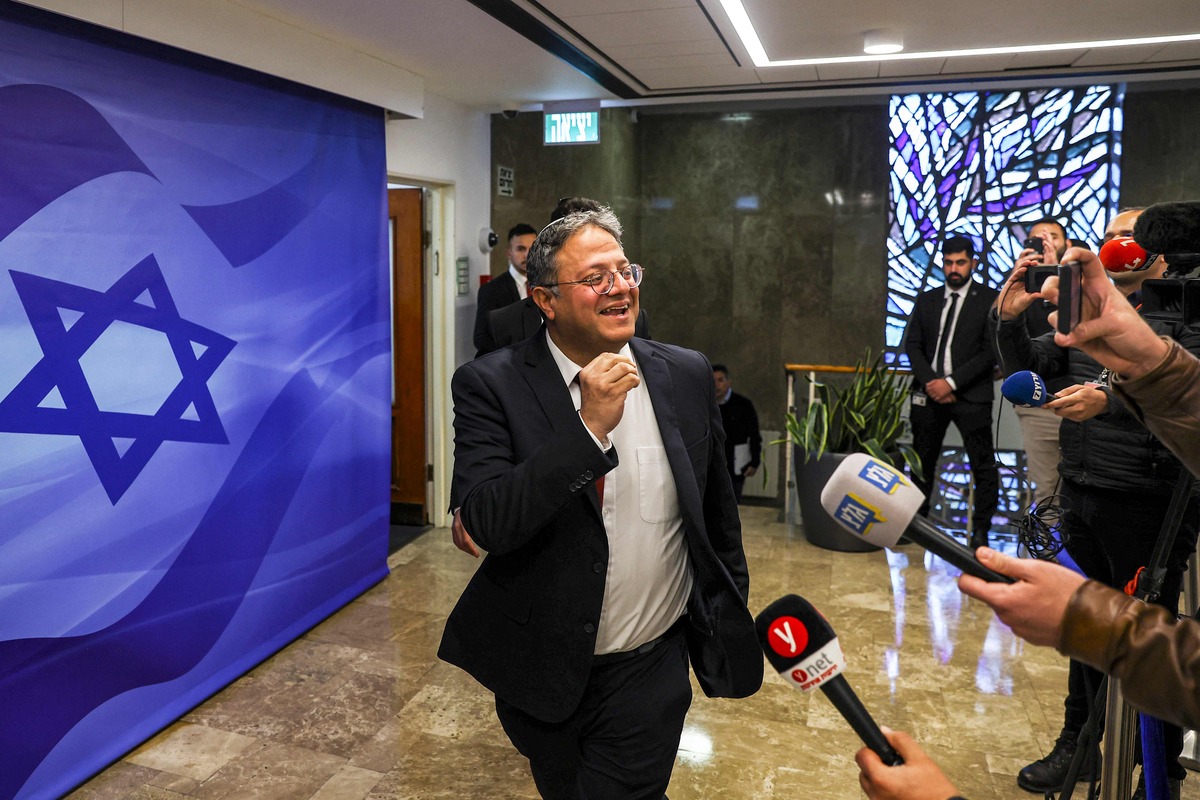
(544, 299)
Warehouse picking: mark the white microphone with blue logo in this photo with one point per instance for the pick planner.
(878, 503)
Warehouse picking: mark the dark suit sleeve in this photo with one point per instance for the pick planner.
(485, 337)
(1018, 352)
(508, 497)
(755, 436)
(916, 342)
(721, 518)
(494, 294)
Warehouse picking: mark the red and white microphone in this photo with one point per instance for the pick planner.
(1123, 254)
(802, 647)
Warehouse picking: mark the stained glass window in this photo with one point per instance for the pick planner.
(987, 165)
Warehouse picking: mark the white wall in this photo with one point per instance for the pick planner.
(451, 144)
(449, 148)
(231, 32)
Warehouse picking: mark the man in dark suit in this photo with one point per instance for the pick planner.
(740, 421)
(950, 349)
(506, 289)
(591, 467)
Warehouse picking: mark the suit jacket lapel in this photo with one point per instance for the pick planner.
(657, 374)
(552, 395)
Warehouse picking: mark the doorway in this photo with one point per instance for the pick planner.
(410, 470)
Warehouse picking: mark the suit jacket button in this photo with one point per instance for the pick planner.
(597, 567)
(589, 628)
(587, 476)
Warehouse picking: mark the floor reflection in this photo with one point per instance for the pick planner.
(307, 723)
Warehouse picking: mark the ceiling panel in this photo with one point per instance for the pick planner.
(700, 78)
(645, 27)
(847, 72)
(1107, 56)
(500, 53)
(1051, 60)
(969, 64)
(790, 30)
(911, 68)
(636, 65)
(1180, 51)
(582, 8)
(696, 47)
(787, 74)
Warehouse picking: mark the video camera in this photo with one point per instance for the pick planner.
(1173, 300)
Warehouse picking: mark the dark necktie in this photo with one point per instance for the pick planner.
(944, 339)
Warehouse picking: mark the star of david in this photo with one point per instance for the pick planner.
(140, 297)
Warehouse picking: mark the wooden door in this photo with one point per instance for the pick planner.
(409, 474)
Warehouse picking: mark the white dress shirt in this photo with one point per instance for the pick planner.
(522, 281)
(962, 298)
(649, 578)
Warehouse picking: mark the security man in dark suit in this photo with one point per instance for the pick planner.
(591, 467)
(950, 349)
(506, 289)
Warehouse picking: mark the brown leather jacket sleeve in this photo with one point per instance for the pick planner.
(1167, 399)
(1156, 658)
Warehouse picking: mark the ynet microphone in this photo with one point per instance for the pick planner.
(1025, 389)
(1123, 254)
(876, 502)
(802, 647)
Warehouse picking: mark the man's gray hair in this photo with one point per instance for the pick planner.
(542, 264)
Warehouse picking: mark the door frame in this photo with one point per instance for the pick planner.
(439, 308)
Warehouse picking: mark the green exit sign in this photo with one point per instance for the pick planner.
(572, 127)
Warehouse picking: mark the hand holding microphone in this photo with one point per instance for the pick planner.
(802, 647)
(877, 502)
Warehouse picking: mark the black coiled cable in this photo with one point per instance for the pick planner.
(1037, 529)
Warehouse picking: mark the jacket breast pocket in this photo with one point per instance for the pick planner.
(657, 498)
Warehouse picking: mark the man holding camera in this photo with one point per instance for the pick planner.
(1116, 484)
(948, 345)
(1046, 244)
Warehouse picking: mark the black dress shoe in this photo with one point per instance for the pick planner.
(1047, 774)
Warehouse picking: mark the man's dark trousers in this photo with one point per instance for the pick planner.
(974, 422)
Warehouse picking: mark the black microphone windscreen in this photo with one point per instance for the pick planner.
(1169, 228)
(790, 630)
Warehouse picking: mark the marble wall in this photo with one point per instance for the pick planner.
(608, 172)
(763, 236)
(1161, 147)
(764, 232)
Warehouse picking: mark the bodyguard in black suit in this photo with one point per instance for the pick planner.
(506, 289)
(591, 467)
(950, 349)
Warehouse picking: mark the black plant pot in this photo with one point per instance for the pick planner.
(819, 527)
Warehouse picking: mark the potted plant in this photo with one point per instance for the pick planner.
(864, 416)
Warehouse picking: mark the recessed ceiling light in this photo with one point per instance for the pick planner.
(745, 29)
(882, 42)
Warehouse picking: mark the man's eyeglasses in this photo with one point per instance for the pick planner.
(603, 282)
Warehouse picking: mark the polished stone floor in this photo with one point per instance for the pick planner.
(360, 707)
